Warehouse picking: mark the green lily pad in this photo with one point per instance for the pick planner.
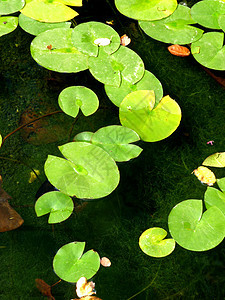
(152, 242)
(85, 136)
(8, 24)
(215, 160)
(11, 6)
(209, 50)
(70, 264)
(214, 197)
(147, 82)
(109, 69)
(59, 205)
(87, 172)
(221, 184)
(74, 97)
(136, 112)
(51, 11)
(115, 140)
(174, 29)
(87, 38)
(35, 27)
(194, 230)
(146, 9)
(206, 13)
(54, 50)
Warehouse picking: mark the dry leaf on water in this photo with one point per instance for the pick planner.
(9, 218)
(44, 288)
(179, 50)
(105, 262)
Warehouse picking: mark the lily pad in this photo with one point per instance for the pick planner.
(214, 197)
(136, 112)
(8, 24)
(83, 137)
(209, 50)
(194, 230)
(221, 184)
(48, 11)
(174, 29)
(54, 50)
(11, 6)
(147, 82)
(215, 160)
(87, 37)
(87, 172)
(36, 27)
(152, 242)
(146, 9)
(70, 264)
(110, 69)
(73, 98)
(115, 140)
(206, 13)
(59, 205)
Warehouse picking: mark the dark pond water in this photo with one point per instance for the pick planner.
(151, 185)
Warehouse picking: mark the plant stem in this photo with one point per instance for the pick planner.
(145, 288)
(32, 121)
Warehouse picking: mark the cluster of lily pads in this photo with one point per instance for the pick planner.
(169, 22)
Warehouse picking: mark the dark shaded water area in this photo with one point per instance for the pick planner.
(150, 185)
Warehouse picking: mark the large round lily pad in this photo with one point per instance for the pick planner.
(152, 242)
(147, 82)
(54, 50)
(87, 172)
(194, 230)
(109, 69)
(215, 160)
(57, 204)
(214, 197)
(88, 37)
(206, 13)
(174, 29)
(146, 9)
(8, 24)
(136, 112)
(221, 184)
(10, 6)
(209, 50)
(48, 11)
(116, 141)
(73, 98)
(70, 264)
(36, 27)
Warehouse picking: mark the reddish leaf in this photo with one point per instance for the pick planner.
(44, 288)
(179, 50)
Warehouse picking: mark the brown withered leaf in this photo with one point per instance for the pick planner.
(9, 218)
(44, 288)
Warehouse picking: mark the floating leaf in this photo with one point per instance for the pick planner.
(214, 197)
(10, 6)
(116, 141)
(105, 262)
(194, 230)
(205, 175)
(57, 204)
(53, 49)
(146, 10)
(136, 112)
(174, 29)
(87, 172)
(110, 69)
(36, 27)
(152, 242)
(71, 264)
(209, 50)
(8, 24)
(87, 38)
(147, 82)
(206, 13)
(179, 50)
(215, 160)
(48, 11)
(221, 184)
(73, 98)
(85, 288)
(83, 137)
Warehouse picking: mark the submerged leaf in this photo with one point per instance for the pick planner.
(44, 288)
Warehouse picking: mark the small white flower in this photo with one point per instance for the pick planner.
(102, 42)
